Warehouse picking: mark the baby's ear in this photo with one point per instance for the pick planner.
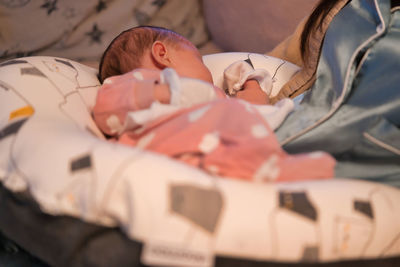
(160, 54)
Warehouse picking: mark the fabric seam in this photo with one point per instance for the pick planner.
(381, 143)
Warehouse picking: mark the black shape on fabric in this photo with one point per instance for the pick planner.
(95, 34)
(310, 254)
(159, 3)
(50, 5)
(299, 203)
(12, 128)
(101, 5)
(65, 63)
(12, 62)
(201, 206)
(84, 162)
(23, 54)
(32, 71)
(364, 207)
(248, 60)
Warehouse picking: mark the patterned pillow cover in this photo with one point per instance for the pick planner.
(81, 30)
(57, 171)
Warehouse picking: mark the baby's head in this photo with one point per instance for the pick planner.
(152, 48)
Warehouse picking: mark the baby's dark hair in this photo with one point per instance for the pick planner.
(125, 51)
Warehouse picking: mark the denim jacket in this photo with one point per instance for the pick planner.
(353, 109)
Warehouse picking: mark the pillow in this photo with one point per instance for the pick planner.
(81, 30)
(57, 171)
(280, 70)
(253, 26)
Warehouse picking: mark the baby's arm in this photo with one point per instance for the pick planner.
(243, 81)
(139, 89)
(133, 91)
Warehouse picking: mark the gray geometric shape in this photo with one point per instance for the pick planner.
(14, 3)
(12, 128)
(50, 5)
(299, 203)
(201, 206)
(141, 17)
(12, 62)
(81, 163)
(364, 207)
(310, 254)
(95, 34)
(32, 71)
(248, 60)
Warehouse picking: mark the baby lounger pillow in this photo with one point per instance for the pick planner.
(280, 70)
(71, 198)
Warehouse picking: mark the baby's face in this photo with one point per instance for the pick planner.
(187, 62)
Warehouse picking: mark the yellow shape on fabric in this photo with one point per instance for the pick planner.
(22, 112)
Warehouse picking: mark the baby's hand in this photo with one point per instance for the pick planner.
(239, 72)
(253, 93)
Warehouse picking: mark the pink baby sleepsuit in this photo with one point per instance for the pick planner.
(223, 136)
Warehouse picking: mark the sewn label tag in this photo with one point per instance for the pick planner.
(174, 255)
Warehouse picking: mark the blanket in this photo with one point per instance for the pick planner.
(203, 127)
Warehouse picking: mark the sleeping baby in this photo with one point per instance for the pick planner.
(158, 95)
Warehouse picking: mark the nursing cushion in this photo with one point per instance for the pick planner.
(280, 70)
(51, 150)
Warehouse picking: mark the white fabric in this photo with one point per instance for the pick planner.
(186, 92)
(276, 114)
(236, 74)
(280, 70)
